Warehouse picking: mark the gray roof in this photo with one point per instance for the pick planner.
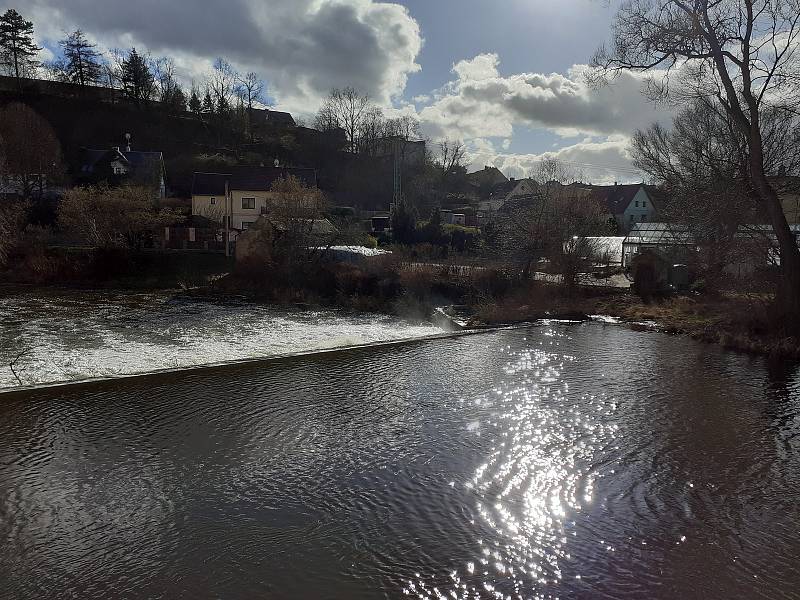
(209, 184)
(255, 179)
(135, 158)
(275, 117)
(659, 234)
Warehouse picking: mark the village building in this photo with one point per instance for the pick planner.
(116, 166)
(628, 204)
(242, 195)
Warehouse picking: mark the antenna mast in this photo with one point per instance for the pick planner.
(397, 196)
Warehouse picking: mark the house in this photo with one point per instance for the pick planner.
(273, 118)
(483, 182)
(411, 152)
(488, 177)
(380, 223)
(496, 197)
(116, 166)
(627, 204)
(788, 189)
(243, 194)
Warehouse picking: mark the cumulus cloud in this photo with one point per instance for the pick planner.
(481, 102)
(302, 48)
(593, 161)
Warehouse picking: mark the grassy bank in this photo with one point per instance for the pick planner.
(737, 322)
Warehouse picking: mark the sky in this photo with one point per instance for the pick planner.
(506, 77)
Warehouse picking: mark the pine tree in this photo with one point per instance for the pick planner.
(208, 104)
(195, 104)
(138, 82)
(82, 60)
(16, 44)
(404, 222)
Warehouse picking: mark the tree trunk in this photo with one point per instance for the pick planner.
(788, 292)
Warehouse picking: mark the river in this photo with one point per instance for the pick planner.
(552, 461)
(71, 335)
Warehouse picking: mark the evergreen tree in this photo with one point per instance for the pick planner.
(195, 104)
(16, 44)
(82, 64)
(175, 103)
(404, 223)
(138, 82)
(208, 104)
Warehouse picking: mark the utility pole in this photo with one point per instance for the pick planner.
(227, 224)
(397, 196)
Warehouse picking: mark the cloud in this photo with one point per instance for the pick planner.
(302, 48)
(481, 102)
(592, 161)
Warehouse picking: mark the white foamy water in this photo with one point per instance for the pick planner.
(70, 336)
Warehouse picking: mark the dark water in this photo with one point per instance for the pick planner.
(568, 461)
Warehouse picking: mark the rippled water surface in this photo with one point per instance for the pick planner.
(74, 335)
(559, 461)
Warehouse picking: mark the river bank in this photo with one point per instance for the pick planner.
(736, 322)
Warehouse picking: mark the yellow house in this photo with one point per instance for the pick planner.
(242, 195)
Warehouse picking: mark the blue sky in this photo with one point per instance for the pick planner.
(529, 35)
(505, 77)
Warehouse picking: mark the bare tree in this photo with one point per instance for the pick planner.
(169, 91)
(741, 53)
(372, 131)
(30, 150)
(221, 84)
(104, 216)
(556, 224)
(451, 158)
(250, 89)
(293, 236)
(12, 222)
(13, 364)
(344, 109)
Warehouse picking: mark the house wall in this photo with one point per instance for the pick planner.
(241, 217)
(791, 207)
(640, 210)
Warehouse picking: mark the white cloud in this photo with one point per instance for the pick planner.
(302, 48)
(481, 102)
(598, 162)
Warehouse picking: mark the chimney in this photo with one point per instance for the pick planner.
(615, 184)
(127, 142)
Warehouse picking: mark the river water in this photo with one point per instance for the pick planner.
(68, 335)
(554, 461)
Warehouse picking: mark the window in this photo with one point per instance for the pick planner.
(637, 204)
(246, 224)
(213, 201)
(644, 203)
(630, 218)
(248, 202)
(644, 218)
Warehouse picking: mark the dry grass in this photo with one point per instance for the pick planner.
(737, 322)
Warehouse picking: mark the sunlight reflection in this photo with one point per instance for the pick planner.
(536, 478)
